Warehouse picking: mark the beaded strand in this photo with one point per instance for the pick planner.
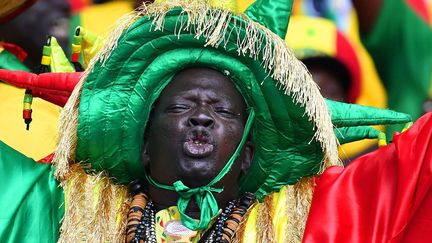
(237, 216)
(216, 230)
(141, 219)
(134, 227)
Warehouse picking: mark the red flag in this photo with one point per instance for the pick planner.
(384, 196)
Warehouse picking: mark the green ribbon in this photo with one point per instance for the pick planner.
(205, 200)
(204, 195)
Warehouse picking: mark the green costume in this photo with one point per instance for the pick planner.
(32, 202)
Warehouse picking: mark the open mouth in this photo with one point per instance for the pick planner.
(198, 143)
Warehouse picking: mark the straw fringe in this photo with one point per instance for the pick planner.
(238, 238)
(94, 208)
(264, 225)
(298, 202)
(73, 207)
(65, 151)
(298, 206)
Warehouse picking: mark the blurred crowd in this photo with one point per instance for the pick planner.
(369, 52)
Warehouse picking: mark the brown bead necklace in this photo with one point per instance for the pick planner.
(141, 219)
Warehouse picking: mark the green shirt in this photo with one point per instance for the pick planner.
(31, 202)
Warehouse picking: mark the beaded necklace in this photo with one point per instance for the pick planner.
(141, 220)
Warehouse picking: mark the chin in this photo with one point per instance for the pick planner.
(197, 172)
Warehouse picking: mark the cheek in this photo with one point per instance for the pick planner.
(164, 133)
(231, 136)
(228, 145)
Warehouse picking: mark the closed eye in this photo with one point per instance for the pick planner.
(226, 112)
(177, 108)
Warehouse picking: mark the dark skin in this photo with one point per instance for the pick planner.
(195, 127)
(332, 77)
(330, 87)
(367, 13)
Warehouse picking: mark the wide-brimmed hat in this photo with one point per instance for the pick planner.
(292, 131)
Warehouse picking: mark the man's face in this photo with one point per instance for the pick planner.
(330, 87)
(195, 128)
(332, 77)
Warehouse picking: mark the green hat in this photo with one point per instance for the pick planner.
(288, 118)
(292, 131)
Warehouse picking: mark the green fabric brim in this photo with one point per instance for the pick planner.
(350, 115)
(352, 121)
(351, 134)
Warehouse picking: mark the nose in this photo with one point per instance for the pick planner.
(201, 118)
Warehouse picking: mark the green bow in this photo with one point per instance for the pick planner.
(205, 200)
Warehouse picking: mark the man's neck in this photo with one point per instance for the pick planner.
(163, 199)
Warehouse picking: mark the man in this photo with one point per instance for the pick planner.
(196, 125)
(183, 96)
(341, 68)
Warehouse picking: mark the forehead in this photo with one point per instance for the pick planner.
(199, 80)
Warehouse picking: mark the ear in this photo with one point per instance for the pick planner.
(249, 150)
(145, 158)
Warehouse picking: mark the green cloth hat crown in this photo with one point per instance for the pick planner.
(292, 131)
